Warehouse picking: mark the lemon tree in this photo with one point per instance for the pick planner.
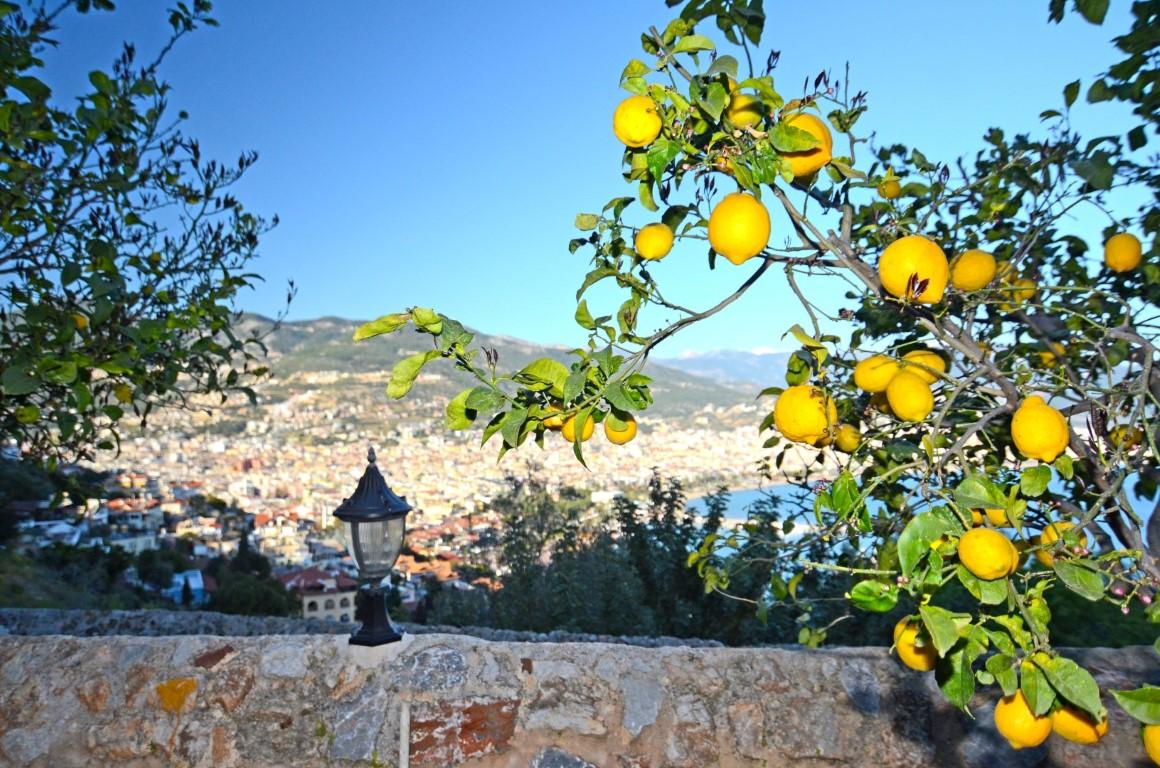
(974, 400)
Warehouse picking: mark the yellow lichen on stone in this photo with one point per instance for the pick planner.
(175, 693)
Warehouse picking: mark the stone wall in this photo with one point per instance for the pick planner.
(309, 700)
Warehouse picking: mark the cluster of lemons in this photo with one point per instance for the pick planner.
(989, 555)
(739, 225)
(619, 431)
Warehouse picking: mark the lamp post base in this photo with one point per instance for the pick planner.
(376, 628)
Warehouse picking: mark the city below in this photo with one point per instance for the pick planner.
(275, 472)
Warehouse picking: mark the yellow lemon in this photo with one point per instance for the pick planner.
(1018, 724)
(744, 110)
(568, 430)
(739, 227)
(914, 647)
(1126, 437)
(555, 422)
(1050, 357)
(848, 438)
(997, 517)
(806, 162)
(636, 121)
(615, 433)
(889, 188)
(874, 373)
(653, 242)
(1076, 725)
(972, 270)
(1017, 291)
(1122, 252)
(910, 397)
(80, 321)
(1150, 735)
(879, 403)
(914, 265)
(924, 364)
(123, 393)
(805, 414)
(1052, 534)
(1039, 431)
(988, 554)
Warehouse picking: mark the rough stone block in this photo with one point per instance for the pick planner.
(436, 668)
(357, 724)
(448, 733)
(553, 757)
(642, 699)
(284, 659)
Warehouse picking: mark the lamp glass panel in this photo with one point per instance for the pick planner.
(376, 546)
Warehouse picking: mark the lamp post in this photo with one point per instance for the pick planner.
(374, 523)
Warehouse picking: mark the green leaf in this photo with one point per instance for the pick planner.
(1081, 577)
(457, 415)
(714, 100)
(986, 592)
(1142, 703)
(405, 372)
(1070, 92)
(618, 204)
(874, 596)
(915, 539)
(635, 68)
(484, 400)
(510, 426)
(60, 372)
(646, 196)
(978, 492)
(1038, 692)
(786, 138)
(427, 320)
(1034, 481)
(660, 154)
(385, 324)
(940, 624)
(542, 374)
(724, 64)
(693, 43)
(1099, 91)
(583, 316)
(1074, 683)
(17, 381)
(1065, 467)
(584, 222)
(1002, 667)
(574, 385)
(1095, 170)
(28, 414)
(1092, 10)
(1137, 138)
(674, 215)
(844, 495)
(594, 277)
(955, 677)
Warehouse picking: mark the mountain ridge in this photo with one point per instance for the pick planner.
(325, 344)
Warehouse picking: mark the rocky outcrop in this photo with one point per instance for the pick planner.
(308, 700)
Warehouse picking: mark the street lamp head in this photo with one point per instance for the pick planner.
(374, 522)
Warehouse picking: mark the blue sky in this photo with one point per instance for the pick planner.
(436, 153)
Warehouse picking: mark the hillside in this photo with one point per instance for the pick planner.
(323, 345)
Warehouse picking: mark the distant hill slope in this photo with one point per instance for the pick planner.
(325, 344)
(751, 371)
